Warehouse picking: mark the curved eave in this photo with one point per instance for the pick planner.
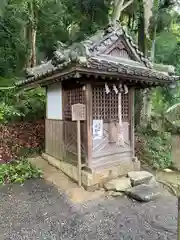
(133, 78)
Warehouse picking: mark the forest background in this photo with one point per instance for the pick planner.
(29, 33)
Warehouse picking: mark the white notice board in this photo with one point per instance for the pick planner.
(97, 129)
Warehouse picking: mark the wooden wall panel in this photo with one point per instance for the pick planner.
(111, 160)
(117, 52)
(61, 140)
(70, 141)
(54, 144)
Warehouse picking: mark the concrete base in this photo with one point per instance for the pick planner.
(96, 179)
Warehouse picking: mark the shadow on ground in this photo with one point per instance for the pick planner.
(37, 210)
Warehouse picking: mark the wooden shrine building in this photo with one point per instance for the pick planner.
(101, 73)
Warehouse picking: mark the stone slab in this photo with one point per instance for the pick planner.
(153, 182)
(139, 177)
(119, 185)
(116, 194)
(144, 193)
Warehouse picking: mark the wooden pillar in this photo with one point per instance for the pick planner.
(89, 123)
(131, 120)
(46, 146)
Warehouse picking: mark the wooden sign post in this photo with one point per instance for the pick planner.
(78, 115)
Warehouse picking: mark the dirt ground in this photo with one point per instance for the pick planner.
(64, 183)
(38, 210)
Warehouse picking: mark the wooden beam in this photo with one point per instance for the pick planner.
(89, 123)
(70, 73)
(131, 120)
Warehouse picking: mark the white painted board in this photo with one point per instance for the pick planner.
(97, 129)
(54, 101)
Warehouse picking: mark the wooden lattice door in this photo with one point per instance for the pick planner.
(105, 107)
(73, 96)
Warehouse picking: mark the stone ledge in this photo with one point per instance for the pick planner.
(96, 179)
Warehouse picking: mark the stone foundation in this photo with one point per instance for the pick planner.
(176, 152)
(96, 179)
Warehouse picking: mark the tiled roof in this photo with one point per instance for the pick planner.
(89, 54)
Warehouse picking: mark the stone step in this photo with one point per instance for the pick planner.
(140, 177)
(119, 185)
(144, 193)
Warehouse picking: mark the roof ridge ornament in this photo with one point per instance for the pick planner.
(111, 27)
(71, 54)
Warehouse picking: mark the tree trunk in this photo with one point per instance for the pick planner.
(117, 10)
(142, 48)
(33, 47)
(147, 106)
(142, 43)
(138, 107)
(119, 6)
(31, 35)
(147, 99)
(144, 108)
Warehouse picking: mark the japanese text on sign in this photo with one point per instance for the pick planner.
(78, 112)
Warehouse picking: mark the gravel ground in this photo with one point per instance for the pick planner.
(37, 210)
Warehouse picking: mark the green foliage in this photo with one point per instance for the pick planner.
(32, 104)
(16, 106)
(87, 15)
(173, 116)
(30, 152)
(166, 44)
(18, 172)
(156, 149)
(167, 51)
(53, 22)
(159, 101)
(69, 21)
(8, 113)
(163, 98)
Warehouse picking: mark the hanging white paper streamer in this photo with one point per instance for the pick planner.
(107, 89)
(120, 136)
(125, 89)
(115, 89)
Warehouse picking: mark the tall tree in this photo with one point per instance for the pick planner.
(154, 25)
(118, 7)
(31, 30)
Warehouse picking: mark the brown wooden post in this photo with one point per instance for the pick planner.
(131, 120)
(79, 151)
(64, 96)
(64, 102)
(78, 115)
(89, 123)
(45, 147)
